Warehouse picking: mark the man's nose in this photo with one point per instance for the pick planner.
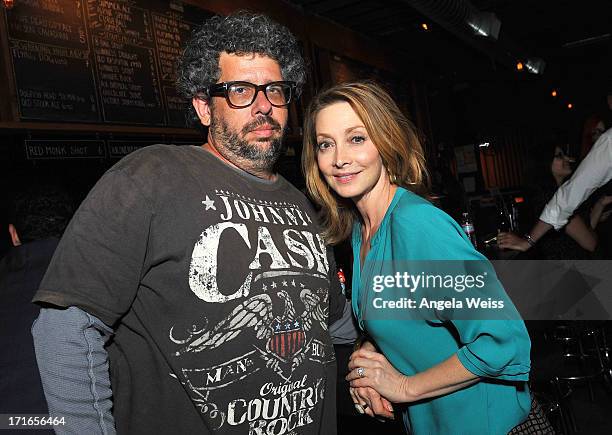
(261, 105)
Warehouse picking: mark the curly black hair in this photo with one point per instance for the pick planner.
(239, 33)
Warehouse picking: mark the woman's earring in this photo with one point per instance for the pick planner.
(392, 178)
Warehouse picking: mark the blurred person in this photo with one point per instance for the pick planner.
(197, 273)
(548, 168)
(38, 218)
(365, 167)
(592, 173)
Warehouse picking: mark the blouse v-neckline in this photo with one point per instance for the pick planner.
(376, 237)
(357, 241)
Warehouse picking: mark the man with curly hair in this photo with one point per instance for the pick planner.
(198, 273)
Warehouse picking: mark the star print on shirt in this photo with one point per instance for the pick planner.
(209, 203)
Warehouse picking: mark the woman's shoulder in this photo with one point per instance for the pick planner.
(415, 209)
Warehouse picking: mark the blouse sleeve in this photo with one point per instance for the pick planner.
(497, 348)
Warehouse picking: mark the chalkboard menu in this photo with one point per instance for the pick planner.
(108, 61)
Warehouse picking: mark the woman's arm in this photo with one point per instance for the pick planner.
(598, 209)
(446, 377)
(578, 230)
(512, 241)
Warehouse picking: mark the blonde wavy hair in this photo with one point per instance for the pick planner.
(394, 136)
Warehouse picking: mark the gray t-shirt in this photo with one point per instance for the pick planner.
(220, 291)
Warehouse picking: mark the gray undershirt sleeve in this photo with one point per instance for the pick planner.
(74, 369)
(344, 330)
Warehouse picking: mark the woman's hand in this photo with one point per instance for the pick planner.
(597, 212)
(512, 241)
(371, 402)
(372, 369)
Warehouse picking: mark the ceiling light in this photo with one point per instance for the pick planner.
(554, 93)
(519, 66)
(485, 24)
(535, 65)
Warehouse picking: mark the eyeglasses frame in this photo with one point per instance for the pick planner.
(221, 90)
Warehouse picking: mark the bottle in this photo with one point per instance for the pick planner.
(468, 228)
(503, 221)
(503, 224)
(514, 217)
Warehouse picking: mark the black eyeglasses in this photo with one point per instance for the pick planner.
(243, 94)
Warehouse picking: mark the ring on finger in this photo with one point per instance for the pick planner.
(359, 408)
(361, 372)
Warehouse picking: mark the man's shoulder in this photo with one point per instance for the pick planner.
(156, 159)
(296, 194)
(155, 152)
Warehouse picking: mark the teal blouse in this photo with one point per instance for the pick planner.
(497, 350)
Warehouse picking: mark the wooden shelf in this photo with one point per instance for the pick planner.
(11, 127)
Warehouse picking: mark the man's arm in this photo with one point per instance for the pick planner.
(344, 330)
(74, 369)
(594, 171)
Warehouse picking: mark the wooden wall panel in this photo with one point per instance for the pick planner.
(504, 160)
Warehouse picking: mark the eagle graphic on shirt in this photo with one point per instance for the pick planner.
(284, 336)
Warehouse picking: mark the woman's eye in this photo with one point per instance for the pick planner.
(358, 139)
(324, 145)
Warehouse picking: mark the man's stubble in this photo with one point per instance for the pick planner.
(249, 156)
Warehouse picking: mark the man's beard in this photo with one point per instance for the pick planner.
(233, 146)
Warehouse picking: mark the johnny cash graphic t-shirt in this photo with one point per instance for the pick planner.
(219, 288)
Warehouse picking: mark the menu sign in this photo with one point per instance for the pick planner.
(64, 149)
(110, 61)
(50, 54)
(121, 148)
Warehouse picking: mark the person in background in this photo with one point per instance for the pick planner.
(197, 273)
(548, 169)
(38, 217)
(365, 167)
(592, 173)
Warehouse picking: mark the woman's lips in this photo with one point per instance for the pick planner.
(345, 178)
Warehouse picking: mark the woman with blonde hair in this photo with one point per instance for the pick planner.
(365, 167)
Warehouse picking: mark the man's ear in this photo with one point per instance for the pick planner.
(14, 235)
(202, 109)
